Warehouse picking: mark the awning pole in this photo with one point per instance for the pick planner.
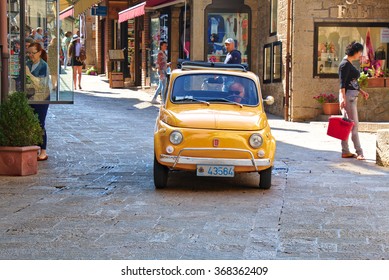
(183, 53)
(5, 52)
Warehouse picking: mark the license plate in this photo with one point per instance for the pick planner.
(215, 170)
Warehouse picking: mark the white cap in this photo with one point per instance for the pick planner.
(229, 41)
(75, 37)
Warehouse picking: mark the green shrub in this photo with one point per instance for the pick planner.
(19, 126)
(362, 80)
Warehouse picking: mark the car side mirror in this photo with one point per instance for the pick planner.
(269, 100)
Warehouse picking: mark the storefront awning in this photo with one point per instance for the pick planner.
(66, 13)
(63, 5)
(83, 5)
(132, 12)
(159, 4)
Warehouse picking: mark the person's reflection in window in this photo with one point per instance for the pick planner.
(37, 79)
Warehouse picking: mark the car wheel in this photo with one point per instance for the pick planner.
(160, 175)
(265, 179)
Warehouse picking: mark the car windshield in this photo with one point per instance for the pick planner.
(211, 88)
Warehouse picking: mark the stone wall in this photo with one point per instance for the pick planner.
(275, 89)
(376, 107)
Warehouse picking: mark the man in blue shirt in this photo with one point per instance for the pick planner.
(233, 55)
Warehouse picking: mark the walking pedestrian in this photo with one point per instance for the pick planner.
(65, 46)
(233, 55)
(74, 52)
(162, 66)
(53, 63)
(38, 36)
(348, 97)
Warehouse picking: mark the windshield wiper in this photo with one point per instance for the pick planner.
(190, 98)
(226, 100)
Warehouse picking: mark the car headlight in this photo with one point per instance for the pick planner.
(176, 137)
(256, 140)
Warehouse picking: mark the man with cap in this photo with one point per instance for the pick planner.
(233, 55)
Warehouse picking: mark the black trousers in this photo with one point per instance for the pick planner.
(41, 110)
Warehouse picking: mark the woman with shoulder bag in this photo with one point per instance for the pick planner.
(348, 97)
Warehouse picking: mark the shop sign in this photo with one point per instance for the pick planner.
(99, 11)
(385, 35)
(355, 9)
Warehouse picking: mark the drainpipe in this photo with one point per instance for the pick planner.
(288, 62)
(5, 52)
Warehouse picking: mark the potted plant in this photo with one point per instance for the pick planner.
(375, 77)
(20, 132)
(330, 103)
(363, 80)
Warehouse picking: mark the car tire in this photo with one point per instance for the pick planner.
(161, 174)
(265, 179)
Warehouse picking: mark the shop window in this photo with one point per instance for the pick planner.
(273, 17)
(224, 19)
(331, 39)
(272, 64)
(48, 85)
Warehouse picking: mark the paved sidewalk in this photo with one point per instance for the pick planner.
(94, 198)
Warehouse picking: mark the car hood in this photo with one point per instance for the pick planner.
(246, 118)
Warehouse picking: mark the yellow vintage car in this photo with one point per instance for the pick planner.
(213, 123)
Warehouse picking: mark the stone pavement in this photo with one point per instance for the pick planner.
(94, 198)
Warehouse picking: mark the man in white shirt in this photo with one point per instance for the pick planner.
(233, 55)
(38, 37)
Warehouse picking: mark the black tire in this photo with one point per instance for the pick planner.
(161, 174)
(265, 179)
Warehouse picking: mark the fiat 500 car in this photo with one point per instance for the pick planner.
(213, 123)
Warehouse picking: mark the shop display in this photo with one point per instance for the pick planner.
(131, 36)
(227, 25)
(159, 31)
(332, 42)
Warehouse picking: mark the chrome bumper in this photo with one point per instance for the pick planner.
(179, 159)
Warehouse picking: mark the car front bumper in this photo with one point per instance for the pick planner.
(173, 160)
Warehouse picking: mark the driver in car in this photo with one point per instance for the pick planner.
(236, 92)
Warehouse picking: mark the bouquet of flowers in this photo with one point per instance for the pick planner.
(326, 98)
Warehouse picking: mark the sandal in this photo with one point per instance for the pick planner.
(43, 158)
(349, 155)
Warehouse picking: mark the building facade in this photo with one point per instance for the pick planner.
(194, 30)
(313, 35)
(295, 46)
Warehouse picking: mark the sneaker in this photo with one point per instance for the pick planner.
(349, 155)
(154, 101)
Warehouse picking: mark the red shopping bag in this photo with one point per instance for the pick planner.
(339, 127)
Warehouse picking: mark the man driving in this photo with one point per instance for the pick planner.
(237, 92)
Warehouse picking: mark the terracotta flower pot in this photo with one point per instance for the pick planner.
(331, 108)
(19, 161)
(376, 82)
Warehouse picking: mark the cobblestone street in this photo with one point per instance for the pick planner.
(94, 198)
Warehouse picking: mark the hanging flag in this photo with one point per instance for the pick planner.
(364, 59)
(369, 48)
